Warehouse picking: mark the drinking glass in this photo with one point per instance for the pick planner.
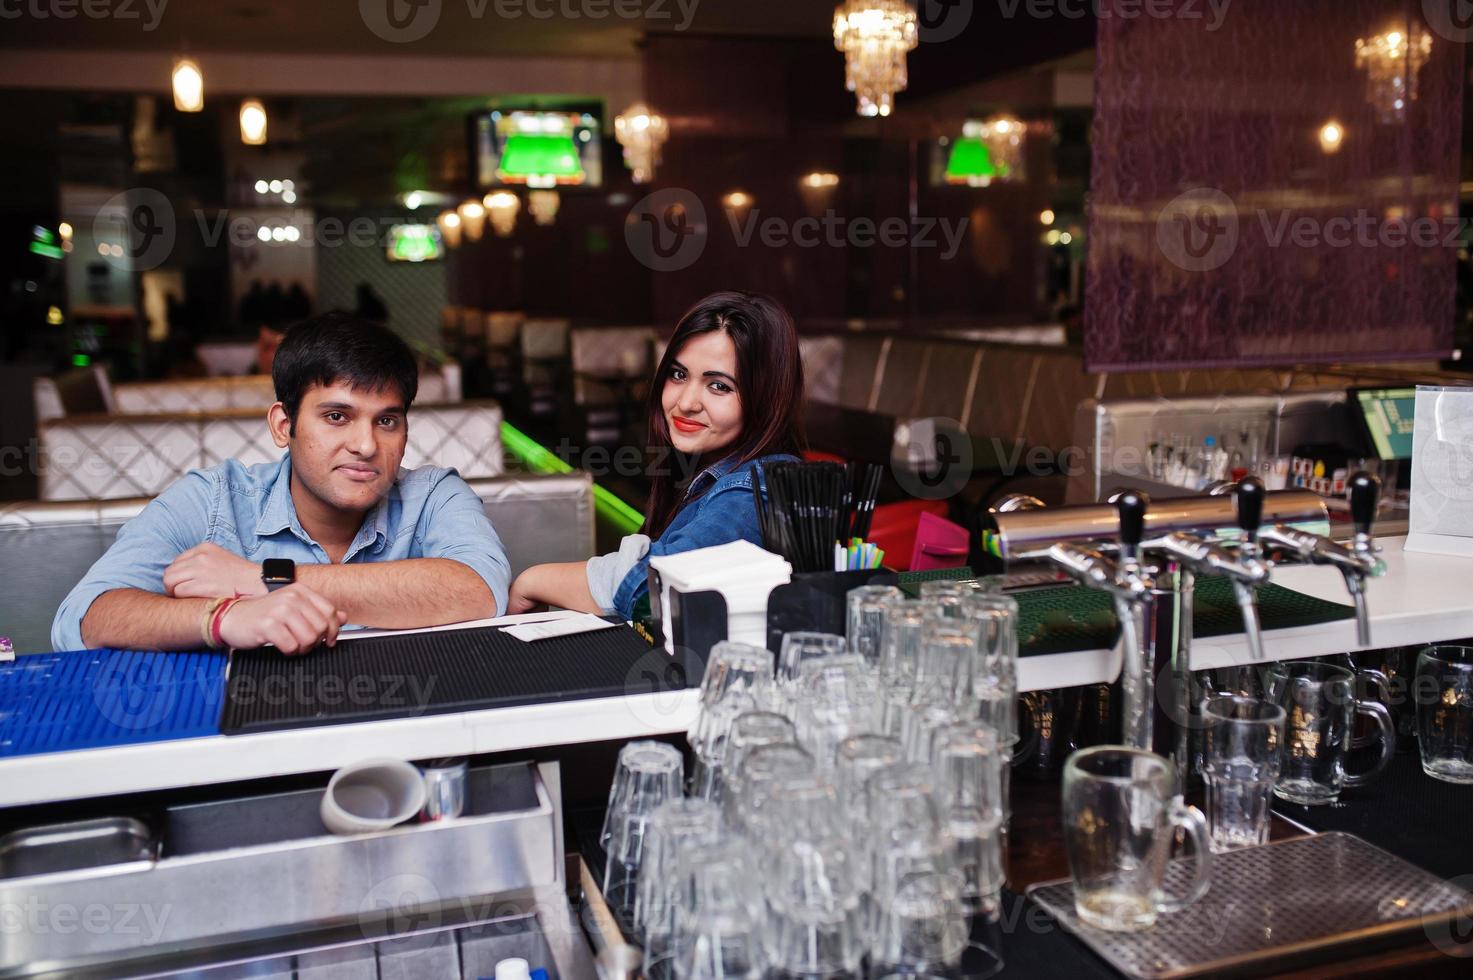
(944, 669)
(906, 831)
(735, 667)
(865, 622)
(1242, 739)
(835, 698)
(813, 908)
(648, 774)
(802, 645)
(1320, 703)
(901, 624)
(718, 927)
(947, 595)
(919, 725)
(675, 825)
(858, 758)
(750, 795)
(923, 930)
(1445, 712)
(1120, 813)
(995, 666)
(708, 737)
(748, 731)
(969, 768)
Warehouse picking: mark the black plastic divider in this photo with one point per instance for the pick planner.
(407, 676)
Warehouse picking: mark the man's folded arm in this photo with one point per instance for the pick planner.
(175, 521)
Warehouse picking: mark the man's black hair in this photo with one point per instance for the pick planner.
(340, 347)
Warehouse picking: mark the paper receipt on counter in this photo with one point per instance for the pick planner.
(546, 630)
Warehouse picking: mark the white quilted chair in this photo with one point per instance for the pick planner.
(106, 457)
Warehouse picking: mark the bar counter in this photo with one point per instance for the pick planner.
(1422, 599)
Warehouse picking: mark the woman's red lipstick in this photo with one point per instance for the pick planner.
(686, 425)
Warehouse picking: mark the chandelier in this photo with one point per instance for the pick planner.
(1003, 137)
(1391, 62)
(641, 132)
(875, 36)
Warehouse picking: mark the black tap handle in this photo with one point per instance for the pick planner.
(1131, 505)
(1249, 501)
(1364, 489)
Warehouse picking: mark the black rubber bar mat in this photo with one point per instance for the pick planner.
(1404, 811)
(407, 676)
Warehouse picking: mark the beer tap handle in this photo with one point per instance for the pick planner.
(1131, 506)
(1364, 490)
(1249, 505)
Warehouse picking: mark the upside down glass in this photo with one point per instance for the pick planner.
(1320, 703)
(1120, 813)
(1444, 687)
(865, 623)
(1241, 742)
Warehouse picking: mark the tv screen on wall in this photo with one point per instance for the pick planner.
(537, 148)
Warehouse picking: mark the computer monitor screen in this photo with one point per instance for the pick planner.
(1386, 416)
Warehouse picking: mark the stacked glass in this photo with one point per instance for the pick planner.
(858, 797)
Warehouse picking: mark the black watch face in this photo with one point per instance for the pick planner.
(278, 570)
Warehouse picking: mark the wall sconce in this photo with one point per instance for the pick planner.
(253, 122)
(502, 206)
(472, 219)
(189, 85)
(543, 206)
(449, 223)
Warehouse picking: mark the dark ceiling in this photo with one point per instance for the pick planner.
(969, 40)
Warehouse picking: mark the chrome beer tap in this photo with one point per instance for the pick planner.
(1357, 562)
(1244, 567)
(1129, 584)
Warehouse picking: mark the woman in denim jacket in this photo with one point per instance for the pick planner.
(727, 397)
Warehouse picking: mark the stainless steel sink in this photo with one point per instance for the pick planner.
(290, 884)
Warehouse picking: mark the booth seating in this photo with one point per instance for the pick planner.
(544, 347)
(107, 457)
(48, 546)
(611, 369)
(67, 394)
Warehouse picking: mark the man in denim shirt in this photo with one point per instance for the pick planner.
(285, 553)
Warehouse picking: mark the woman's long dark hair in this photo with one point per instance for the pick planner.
(769, 379)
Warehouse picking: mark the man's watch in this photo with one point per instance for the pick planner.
(276, 572)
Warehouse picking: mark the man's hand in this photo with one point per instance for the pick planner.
(208, 570)
(294, 619)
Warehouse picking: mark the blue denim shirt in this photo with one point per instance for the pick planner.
(428, 513)
(724, 513)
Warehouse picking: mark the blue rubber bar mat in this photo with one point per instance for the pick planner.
(416, 674)
(56, 702)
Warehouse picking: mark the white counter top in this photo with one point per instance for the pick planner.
(1422, 599)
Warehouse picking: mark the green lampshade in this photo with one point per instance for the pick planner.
(969, 162)
(540, 155)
